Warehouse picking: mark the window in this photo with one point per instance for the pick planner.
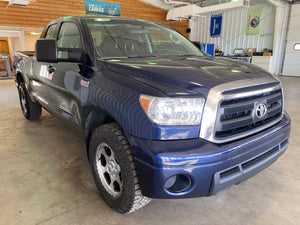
(50, 31)
(122, 38)
(68, 38)
(297, 47)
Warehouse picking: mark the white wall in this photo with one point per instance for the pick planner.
(233, 30)
(17, 44)
(291, 64)
(30, 41)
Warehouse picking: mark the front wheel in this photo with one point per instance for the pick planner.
(31, 110)
(114, 169)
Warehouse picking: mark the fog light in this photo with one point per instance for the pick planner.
(178, 183)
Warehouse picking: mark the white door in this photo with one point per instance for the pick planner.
(291, 64)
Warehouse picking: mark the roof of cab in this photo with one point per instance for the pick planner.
(78, 18)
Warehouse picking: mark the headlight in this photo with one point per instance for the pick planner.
(173, 111)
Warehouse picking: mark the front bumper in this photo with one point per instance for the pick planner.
(211, 167)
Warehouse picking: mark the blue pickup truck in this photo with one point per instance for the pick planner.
(161, 119)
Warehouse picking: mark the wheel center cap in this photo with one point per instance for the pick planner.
(112, 169)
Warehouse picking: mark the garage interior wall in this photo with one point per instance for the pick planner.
(30, 41)
(39, 13)
(233, 30)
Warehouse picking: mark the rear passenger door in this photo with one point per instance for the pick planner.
(65, 77)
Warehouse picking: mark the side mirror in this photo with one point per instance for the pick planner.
(46, 50)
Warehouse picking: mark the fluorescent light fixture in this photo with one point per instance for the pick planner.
(20, 2)
(297, 47)
(195, 10)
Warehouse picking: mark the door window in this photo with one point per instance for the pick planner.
(68, 39)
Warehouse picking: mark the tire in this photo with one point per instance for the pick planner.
(31, 110)
(114, 169)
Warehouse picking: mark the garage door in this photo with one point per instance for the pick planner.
(291, 65)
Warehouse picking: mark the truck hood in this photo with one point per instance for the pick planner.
(185, 75)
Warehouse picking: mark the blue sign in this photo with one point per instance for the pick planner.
(102, 8)
(216, 25)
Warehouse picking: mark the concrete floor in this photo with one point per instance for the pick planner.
(46, 178)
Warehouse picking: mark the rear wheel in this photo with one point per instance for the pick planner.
(114, 169)
(31, 110)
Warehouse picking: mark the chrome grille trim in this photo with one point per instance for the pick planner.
(215, 97)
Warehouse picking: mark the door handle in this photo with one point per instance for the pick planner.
(51, 69)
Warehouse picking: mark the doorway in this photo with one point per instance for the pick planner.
(13, 39)
(292, 49)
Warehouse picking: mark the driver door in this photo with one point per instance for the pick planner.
(65, 77)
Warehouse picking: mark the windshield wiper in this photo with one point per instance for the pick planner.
(117, 57)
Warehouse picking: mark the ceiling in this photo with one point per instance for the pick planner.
(183, 9)
(169, 4)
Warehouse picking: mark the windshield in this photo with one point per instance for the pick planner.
(133, 38)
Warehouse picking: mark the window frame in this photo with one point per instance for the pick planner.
(54, 31)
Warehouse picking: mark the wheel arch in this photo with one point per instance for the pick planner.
(19, 78)
(95, 119)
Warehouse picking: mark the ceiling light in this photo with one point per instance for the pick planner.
(34, 33)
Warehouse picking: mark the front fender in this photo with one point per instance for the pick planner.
(118, 96)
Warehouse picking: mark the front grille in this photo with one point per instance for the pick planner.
(238, 115)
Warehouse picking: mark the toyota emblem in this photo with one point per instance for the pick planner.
(261, 110)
